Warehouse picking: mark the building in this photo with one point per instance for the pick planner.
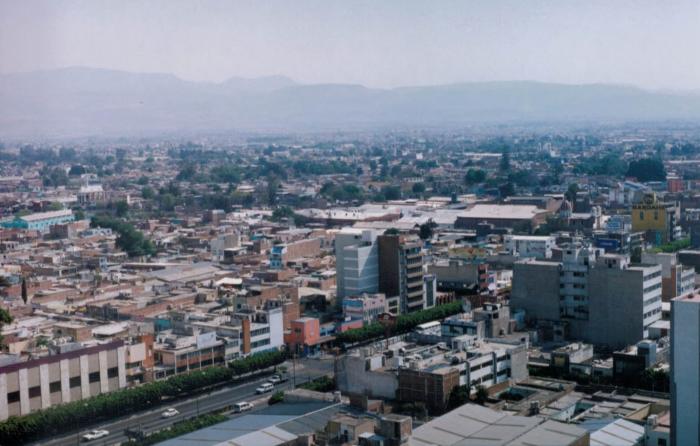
(676, 279)
(356, 262)
(461, 276)
(401, 271)
(304, 336)
(366, 307)
(526, 217)
(73, 372)
(685, 367)
(41, 221)
(657, 219)
(472, 424)
(261, 330)
(286, 252)
(597, 298)
(537, 247)
(91, 191)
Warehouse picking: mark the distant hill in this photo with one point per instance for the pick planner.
(94, 102)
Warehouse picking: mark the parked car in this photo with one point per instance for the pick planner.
(264, 388)
(171, 412)
(95, 434)
(243, 406)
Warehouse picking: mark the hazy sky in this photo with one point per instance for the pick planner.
(652, 44)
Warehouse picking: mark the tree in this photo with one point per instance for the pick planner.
(571, 192)
(25, 295)
(647, 169)
(122, 208)
(507, 190)
(147, 193)
(76, 170)
(458, 397)
(474, 176)
(418, 188)
(426, 229)
(79, 214)
(482, 395)
(504, 164)
(5, 318)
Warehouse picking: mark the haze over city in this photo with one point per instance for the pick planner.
(650, 44)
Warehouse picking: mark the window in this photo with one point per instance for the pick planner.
(34, 391)
(13, 397)
(55, 387)
(641, 215)
(75, 382)
(94, 377)
(112, 372)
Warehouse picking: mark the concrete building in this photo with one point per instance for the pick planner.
(657, 219)
(460, 276)
(366, 307)
(685, 370)
(356, 262)
(286, 252)
(676, 279)
(527, 217)
(529, 246)
(401, 271)
(261, 330)
(73, 373)
(41, 221)
(597, 298)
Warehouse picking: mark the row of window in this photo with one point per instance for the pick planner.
(55, 386)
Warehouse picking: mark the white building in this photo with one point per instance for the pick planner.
(685, 370)
(531, 246)
(356, 262)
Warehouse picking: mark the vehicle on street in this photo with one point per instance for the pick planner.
(275, 379)
(95, 434)
(264, 388)
(171, 412)
(243, 406)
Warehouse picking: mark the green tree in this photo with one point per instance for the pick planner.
(147, 193)
(647, 169)
(418, 188)
(121, 209)
(482, 395)
(474, 176)
(458, 397)
(504, 164)
(426, 229)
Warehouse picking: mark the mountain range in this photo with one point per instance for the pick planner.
(74, 102)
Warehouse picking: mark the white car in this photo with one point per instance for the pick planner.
(243, 406)
(275, 379)
(95, 434)
(264, 388)
(170, 413)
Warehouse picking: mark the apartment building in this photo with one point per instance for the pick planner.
(597, 298)
(401, 271)
(366, 307)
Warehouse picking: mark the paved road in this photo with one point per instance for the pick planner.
(150, 421)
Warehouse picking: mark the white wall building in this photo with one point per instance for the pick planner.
(531, 246)
(685, 370)
(356, 262)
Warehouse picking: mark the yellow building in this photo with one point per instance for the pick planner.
(656, 219)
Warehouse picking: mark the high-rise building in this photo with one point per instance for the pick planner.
(356, 262)
(597, 298)
(685, 370)
(401, 270)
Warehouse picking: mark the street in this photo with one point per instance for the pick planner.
(150, 421)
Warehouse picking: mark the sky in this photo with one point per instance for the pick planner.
(651, 44)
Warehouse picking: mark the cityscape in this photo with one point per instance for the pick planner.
(263, 261)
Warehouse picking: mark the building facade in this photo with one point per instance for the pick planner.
(685, 363)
